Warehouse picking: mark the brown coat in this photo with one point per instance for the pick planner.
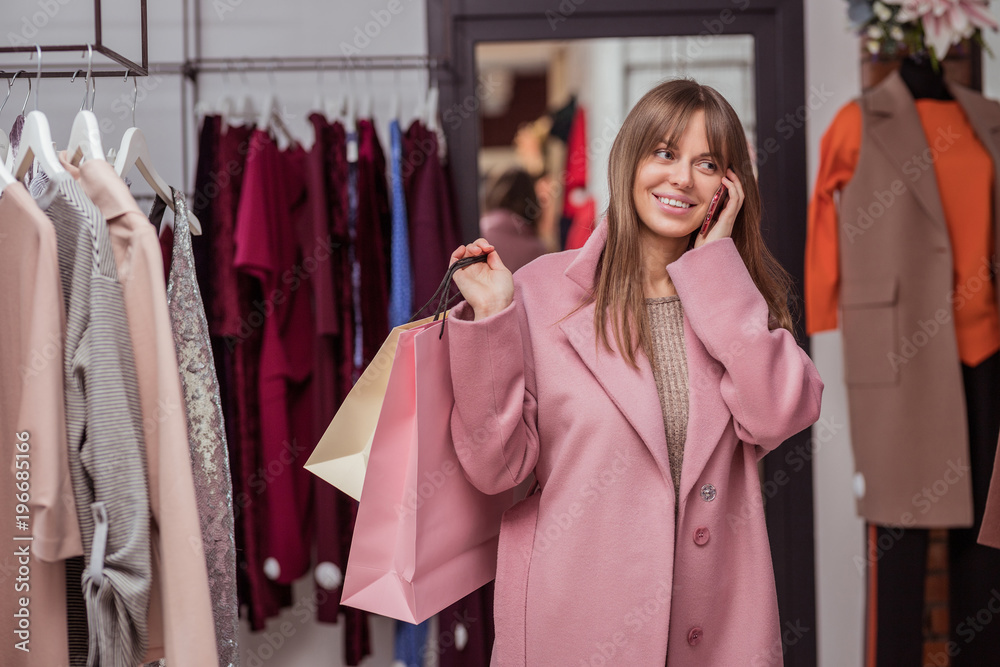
(905, 393)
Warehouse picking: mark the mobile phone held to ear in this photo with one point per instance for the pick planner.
(719, 200)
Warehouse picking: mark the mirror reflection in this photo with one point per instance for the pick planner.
(551, 109)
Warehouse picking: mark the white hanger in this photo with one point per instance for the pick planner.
(134, 152)
(394, 98)
(85, 137)
(351, 128)
(318, 102)
(36, 138)
(432, 109)
(270, 116)
(336, 109)
(249, 113)
(365, 106)
(351, 121)
(6, 178)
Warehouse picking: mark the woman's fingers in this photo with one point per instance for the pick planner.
(475, 249)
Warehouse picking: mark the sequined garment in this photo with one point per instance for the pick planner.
(206, 431)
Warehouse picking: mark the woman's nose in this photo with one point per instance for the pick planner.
(680, 176)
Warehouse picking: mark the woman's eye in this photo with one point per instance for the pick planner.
(710, 166)
(663, 153)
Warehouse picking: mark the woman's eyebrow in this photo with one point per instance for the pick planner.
(673, 147)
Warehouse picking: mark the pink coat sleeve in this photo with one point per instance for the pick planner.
(493, 422)
(770, 384)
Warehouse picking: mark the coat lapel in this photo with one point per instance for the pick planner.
(985, 120)
(633, 391)
(897, 130)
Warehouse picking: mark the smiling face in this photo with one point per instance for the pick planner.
(674, 185)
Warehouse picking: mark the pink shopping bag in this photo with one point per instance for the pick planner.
(424, 536)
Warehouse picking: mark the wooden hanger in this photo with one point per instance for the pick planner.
(135, 153)
(36, 137)
(85, 136)
(6, 178)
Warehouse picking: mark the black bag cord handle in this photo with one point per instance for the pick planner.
(441, 294)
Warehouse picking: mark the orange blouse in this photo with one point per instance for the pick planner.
(964, 173)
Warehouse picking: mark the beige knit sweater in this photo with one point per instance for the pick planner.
(666, 323)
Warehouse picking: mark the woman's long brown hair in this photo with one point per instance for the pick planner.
(663, 113)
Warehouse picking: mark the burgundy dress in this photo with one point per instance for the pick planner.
(271, 225)
(430, 207)
(334, 307)
(221, 165)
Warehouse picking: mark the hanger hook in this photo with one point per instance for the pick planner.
(86, 88)
(135, 93)
(271, 78)
(25, 105)
(93, 94)
(10, 84)
(38, 76)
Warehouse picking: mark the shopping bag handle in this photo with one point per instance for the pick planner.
(441, 294)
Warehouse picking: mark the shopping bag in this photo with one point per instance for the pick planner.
(424, 537)
(341, 456)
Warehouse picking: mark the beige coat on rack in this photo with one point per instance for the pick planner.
(908, 416)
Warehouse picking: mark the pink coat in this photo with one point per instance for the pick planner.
(589, 570)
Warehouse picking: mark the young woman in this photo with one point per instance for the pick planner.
(640, 379)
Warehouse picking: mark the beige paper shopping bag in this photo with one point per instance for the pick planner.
(341, 457)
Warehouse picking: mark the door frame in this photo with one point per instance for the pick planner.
(782, 107)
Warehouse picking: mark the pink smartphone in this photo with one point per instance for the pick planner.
(719, 200)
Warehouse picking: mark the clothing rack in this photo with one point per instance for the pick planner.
(98, 46)
(192, 68)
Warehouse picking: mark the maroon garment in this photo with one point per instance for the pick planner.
(430, 207)
(373, 241)
(272, 222)
(166, 249)
(335, 511)
(226, 185)
(237, 353)
(475, 613)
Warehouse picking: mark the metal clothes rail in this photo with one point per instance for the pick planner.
(192, 68)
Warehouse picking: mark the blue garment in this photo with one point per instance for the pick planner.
(401, 290)
(411, 641)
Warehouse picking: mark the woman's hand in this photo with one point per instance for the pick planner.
(487, 286)
(723, 227)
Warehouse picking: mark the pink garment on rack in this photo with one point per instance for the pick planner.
(32, 324)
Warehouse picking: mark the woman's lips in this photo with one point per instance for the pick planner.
(672, 210)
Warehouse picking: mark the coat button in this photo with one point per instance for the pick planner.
(708, 493)
(701, 536)
(694, 635)
(859, 485)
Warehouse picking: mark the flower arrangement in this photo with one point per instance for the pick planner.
(893, 28)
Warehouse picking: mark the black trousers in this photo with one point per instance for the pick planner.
(897, 579)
